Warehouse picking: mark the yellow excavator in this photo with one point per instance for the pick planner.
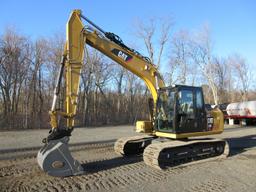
(177, 112)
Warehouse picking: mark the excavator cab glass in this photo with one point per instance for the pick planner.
(185, 104)
(165, 110)
(180, 109)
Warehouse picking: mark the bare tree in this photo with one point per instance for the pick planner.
(14, 66)
(134, 89)
(170, 76)
(109, 93)
(201, 53)
(151, 31)
(181, 67)
(36, 86)
(86, 87)
(119, 76)
(242, 74)
(224, 79)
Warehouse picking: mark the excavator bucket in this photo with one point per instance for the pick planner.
(56, 160)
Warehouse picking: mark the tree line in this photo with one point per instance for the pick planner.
(109, 94)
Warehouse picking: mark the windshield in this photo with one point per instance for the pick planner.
(165, 110)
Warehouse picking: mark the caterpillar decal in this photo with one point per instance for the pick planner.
(126, 57)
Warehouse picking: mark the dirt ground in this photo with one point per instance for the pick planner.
(106, 171)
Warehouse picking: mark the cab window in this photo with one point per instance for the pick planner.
(186, 102)
(199, 100)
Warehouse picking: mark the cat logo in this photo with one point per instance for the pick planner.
(126, 57)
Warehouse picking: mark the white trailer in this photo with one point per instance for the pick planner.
(243, 112)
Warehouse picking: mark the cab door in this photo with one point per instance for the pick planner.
(191, 114)
(201, 116)
(186, 121)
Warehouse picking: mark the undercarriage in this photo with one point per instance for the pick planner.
(163, 153)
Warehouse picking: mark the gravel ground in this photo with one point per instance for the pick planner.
(33, 138)
(106, 171)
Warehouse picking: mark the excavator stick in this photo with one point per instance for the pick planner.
(56, 160)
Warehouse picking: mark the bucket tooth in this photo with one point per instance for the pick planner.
(56, 160)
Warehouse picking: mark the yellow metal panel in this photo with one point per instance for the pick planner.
(75, 56)
(218, 119)
(144, 127)
(185, 135)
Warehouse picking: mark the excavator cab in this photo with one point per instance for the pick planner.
(180, 109)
